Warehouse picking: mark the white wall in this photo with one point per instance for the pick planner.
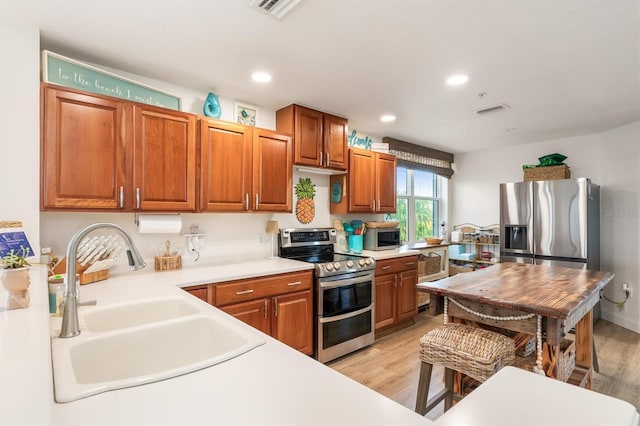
(611, 159)
(20, 128)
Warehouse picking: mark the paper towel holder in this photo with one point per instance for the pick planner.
(136, 216)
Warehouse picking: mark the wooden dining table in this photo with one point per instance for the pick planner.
(511, 296)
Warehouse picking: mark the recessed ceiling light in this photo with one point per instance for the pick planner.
(388, 118)
(458, 79)
(261, 77)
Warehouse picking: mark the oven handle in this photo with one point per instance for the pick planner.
(346, 281)
(347, 315)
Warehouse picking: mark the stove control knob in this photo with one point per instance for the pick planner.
(329, 267)
(349, 264)
(368, 261)
(361, 262)
(336, 266)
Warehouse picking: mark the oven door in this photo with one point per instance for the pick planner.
(345, 321)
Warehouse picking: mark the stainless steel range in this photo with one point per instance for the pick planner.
(344, 291)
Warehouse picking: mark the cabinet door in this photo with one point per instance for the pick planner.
(226, 166)
(164, 175)
(385, 183)
(201, 292)
(335, 142)
(83, 157)
(272, 171)
(385, 304)
(307, 136)
(255, 313)
(407, 303)
(292, 320)
(361, 181)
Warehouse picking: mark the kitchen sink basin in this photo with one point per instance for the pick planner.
(133, 314)
(97, 362)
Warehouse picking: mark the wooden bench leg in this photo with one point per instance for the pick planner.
(423, 388)
(448, 385)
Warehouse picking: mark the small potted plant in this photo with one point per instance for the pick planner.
(15, 278)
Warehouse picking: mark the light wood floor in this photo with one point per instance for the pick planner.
(391, 365)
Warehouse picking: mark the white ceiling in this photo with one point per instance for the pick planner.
(565, 67)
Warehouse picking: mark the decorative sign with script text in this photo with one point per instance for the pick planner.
(67, 72)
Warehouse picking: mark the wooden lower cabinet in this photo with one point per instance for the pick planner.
(278, 305)
(254, 313)
(396, 281)
(292, 320)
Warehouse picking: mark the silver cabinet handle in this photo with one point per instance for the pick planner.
(275, 307)
(409, 263)
(137, 198)
(378, 206)
(246, 201)
(266, 308)
(121, 196)
(294, 283)
(321, 158)
(327, 159)
(257, 202)
(386, 267)
(239, 293)
(373, 205)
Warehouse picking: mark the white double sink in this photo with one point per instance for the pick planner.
(132, 344)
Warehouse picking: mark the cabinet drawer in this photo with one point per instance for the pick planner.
(399, 264)
(254, 288)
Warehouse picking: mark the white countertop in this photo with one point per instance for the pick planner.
(517, 397)
(271, 384)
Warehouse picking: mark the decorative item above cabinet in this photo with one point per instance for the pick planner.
(320, 139)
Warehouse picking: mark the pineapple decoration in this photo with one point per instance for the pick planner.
(305, 207)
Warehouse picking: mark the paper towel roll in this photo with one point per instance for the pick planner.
(159, 223)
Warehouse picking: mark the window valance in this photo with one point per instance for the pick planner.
(420, 157)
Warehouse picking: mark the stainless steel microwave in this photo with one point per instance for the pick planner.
(381, 238)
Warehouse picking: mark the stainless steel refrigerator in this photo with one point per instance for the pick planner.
(551, 222)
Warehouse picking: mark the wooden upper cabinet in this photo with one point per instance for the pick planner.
(164, 173)
(385, 182)
(320, 140)
(362, 183)
(272, 174)
(372, 182)
(226, 166)
(335, 142)
(244, 168)
(83, 151)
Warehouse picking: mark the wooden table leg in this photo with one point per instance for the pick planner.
(584, 345)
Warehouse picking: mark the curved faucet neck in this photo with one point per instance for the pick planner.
(70, 323)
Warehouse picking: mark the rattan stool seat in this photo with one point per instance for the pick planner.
(472, 351)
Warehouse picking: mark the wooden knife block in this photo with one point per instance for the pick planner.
(61, 268)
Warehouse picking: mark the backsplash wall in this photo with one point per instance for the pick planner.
(229, 236)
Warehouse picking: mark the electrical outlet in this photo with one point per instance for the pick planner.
(626, 289)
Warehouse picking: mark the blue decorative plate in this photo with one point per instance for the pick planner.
(336, 192)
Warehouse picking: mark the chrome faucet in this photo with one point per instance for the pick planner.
(70, 325)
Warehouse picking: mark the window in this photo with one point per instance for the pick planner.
(420, 204)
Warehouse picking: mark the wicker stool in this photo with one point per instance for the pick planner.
(473, 351)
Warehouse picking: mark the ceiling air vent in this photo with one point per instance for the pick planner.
(492, 109)
(277, 8)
